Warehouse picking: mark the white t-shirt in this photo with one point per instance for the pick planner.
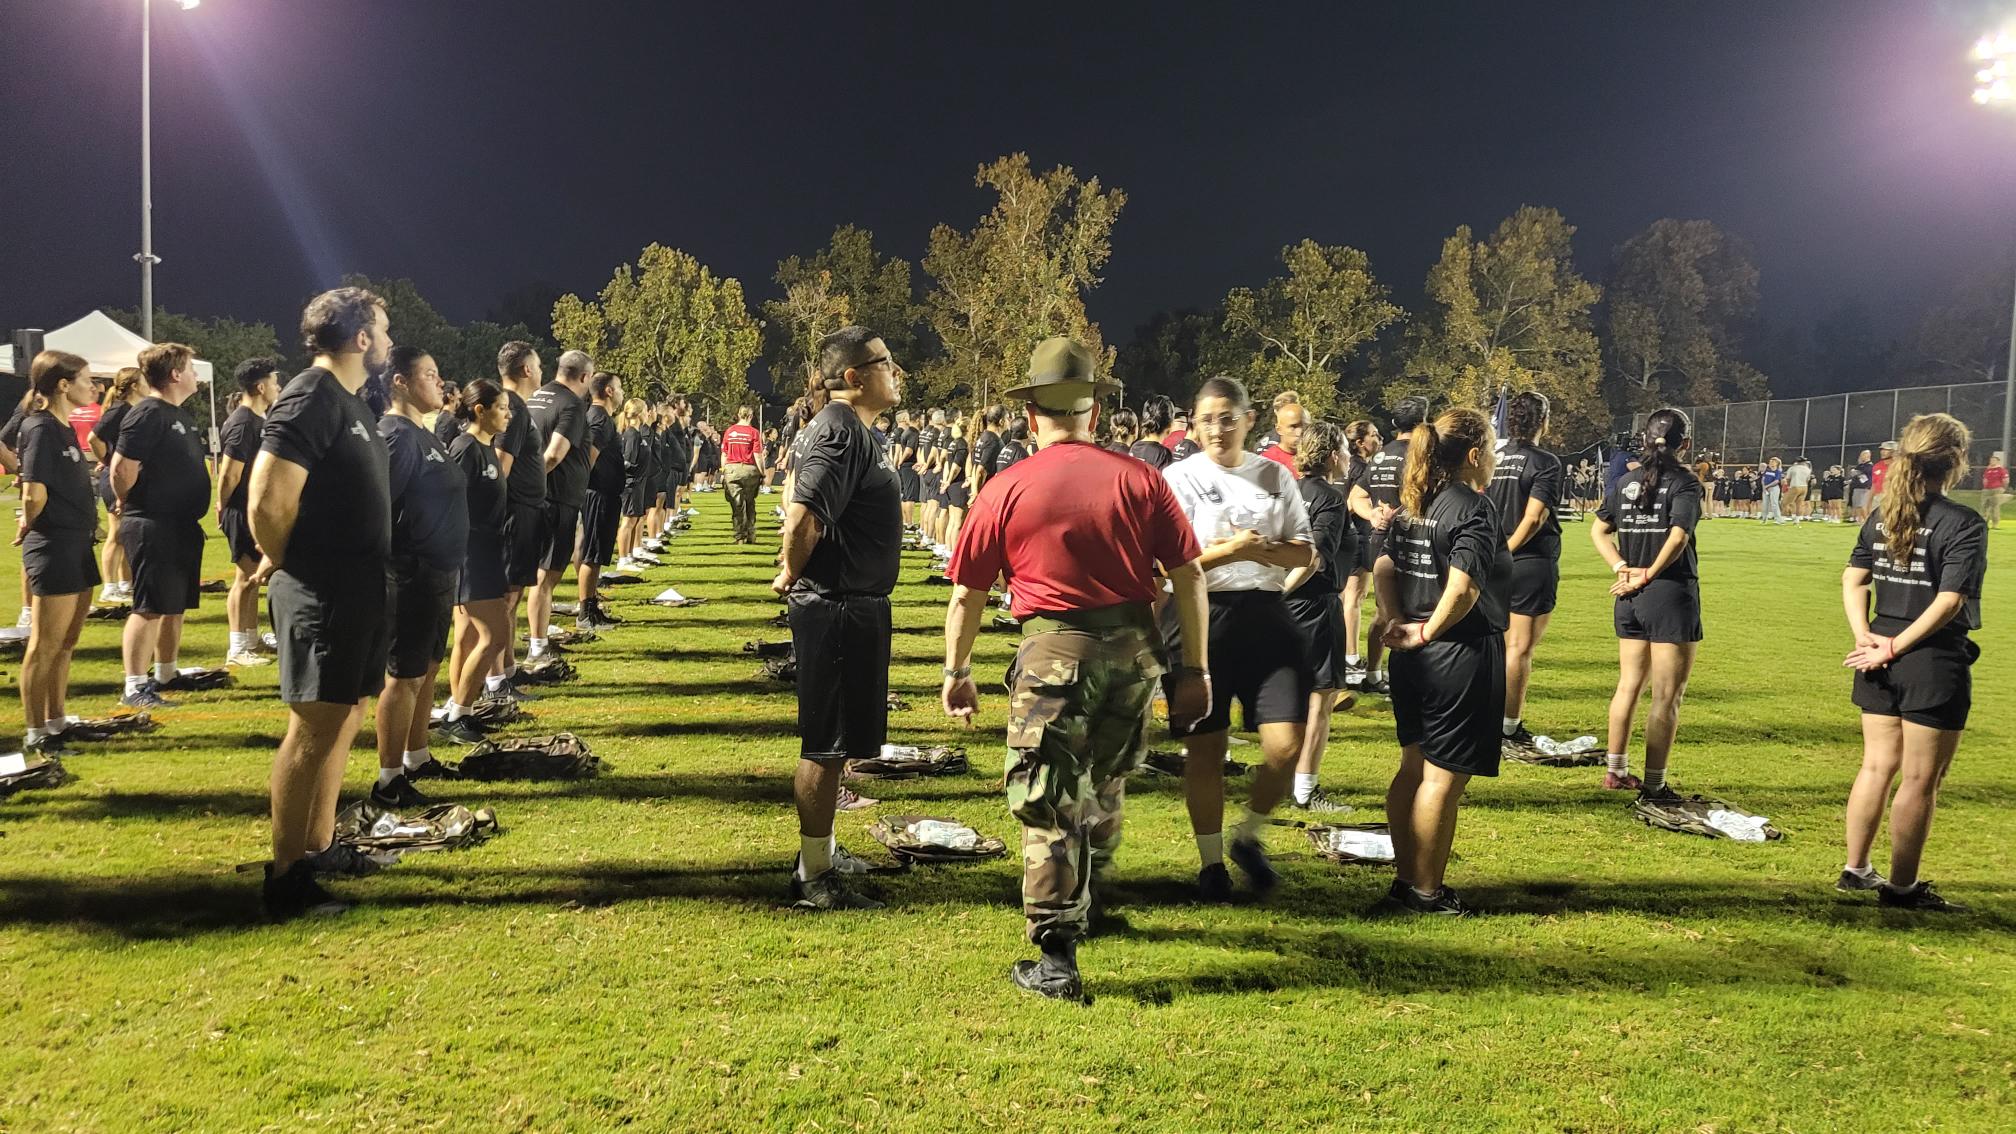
(1259, 495)
(1799, 475)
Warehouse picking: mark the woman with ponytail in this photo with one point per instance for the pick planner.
(1645, 532)
(1361, 441)
(58, 522)
(1526, 492)
(1444, 581)
(104, 438)
(1314, 603)
(1382, 487)
(1923, 557)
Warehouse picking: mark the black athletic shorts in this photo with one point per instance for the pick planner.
(638, 498)
(912, 484)
(563, 528)
(842, 646)
(599, 521)
(1931, 684)
(956, 496)
(1319, 618)
(1257, 660)
(166, 558)
(932, 487)
(1367, 552)
(59, 563)
(237, 529)
(524, 543)
(1449, 698)
(482, 574)
(103, 484)
(334, 634)
(1535, 582)
(1663, 610)
(423, 613)
(1374, 544)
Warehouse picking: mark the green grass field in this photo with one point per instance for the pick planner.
(621, 954)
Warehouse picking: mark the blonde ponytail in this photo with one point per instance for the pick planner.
(1931, 458)
(1435, 450)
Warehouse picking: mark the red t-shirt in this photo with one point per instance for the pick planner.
(1876, 477)
(81, 420)
(1995, 478)
(1282, 457)
(739, 444)
(1075, 527)
(1174, 439)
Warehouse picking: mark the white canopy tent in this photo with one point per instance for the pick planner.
(108, 347)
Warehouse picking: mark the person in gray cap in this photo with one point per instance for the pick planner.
(1078, 532)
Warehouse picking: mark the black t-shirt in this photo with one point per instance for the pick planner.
(1011, 451)
(50, 457)
(344, 523)
(1865, 474)
(1950, 554)
(847, 483)
(606, 477)
(986, 449)
(1330, 532)
(430, 506)
(483, 482)
(239, 441)
(527, 445)
(640, 457)
(955, 460)
(1184, 450)
(1831, 486)
(1525, 474)
(1150, 453)
(1382, 473)
(10, 433)
(1459, 531)
(173, 484)
(678, 451)
(906, 445)
(558, 411)
(927, 440)
(1642, 525)
(447, 427)
(107, 429)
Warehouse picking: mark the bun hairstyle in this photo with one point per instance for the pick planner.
(1320, 442)
(1436, 450)
(1124, 423)
(1156, 414)
(1665, 432)
(1526, 416)
(1931, 458)
(1411, 411)
(51, 369)
(124, 381)
(477, 395)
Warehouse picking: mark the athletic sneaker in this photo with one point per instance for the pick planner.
(1521, 737)
(342, 858)
(13, 634)
(1354, 677)
(1251, 859)
(1443, 903)
(1214, 883)
(50, 745)
(296, 893)
(1320, 802)
(512, 691)
(652, 544)
(844, 861)
(461, 730)
(592, 617)
(647, 557)
(246, 657)
(852, 801)
(1664, 793)
(1918, 896)
(399, 795)
(1376, 685)
(148, 696)
(1850, 881)
(827, 892)
(1626, 782)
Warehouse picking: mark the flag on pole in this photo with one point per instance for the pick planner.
(1498, 415)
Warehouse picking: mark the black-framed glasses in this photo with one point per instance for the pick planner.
(871, 362)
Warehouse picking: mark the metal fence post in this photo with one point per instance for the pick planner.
(1893, 416)
(1763, 433)
(1843, 462)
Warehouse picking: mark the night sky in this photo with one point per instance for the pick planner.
(480, 147)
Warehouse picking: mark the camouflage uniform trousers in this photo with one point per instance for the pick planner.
(1077, 725)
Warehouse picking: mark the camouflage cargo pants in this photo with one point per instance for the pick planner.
(1076, 727)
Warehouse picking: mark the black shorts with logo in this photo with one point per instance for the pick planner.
(1536, 581)
(59, 562)
(423, 613)
(1663, 610)
(1257, 660)
(524, 543)
(335, 633)
(237, 529)
(563, 528)
(1449, 698)
(1319, 617)
(1931, 684)
(166, 558)
(842, 646)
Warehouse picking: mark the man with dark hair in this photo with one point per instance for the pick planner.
(903, 443)
(843, 537)
(603, 512)
(322, 514)
(162, 490)
(258, 385)
(562, 417)
(1078, 532)
(521, 455)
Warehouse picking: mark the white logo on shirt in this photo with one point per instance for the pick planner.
(177, 427)
(74, 455)
(1631, 490)
(489, 472)
(435, 455)
(357, 427)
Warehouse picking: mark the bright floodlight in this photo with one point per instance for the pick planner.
(1995, 81)
(188, 4)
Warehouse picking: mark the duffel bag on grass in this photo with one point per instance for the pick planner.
(444, 826)
(562, 756)
(33, 773)
(930, 838)
(1701, 815)
(904, 761)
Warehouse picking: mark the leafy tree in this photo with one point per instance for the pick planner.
(463, 353)
(1511, 311)
(874, 289)
(1682, 295)
(221, 342)
(1307, 323)
(810, 310)
(668, 324)
(1175, 350)
(1966, 339)
(1019, 276)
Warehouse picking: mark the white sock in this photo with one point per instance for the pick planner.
(1858, 871)
(538, 646)
(135, 684)
(815, 856)
(495, 682)
(1248, 827)
(1353, 660)
(164, 670)
(1211, 848)
(1511, 725)
(1305, 786)
(387, 775)
(54, 726)
(1618, 763)
(455, 711)
(34, 734)
(416, 759)
(1654, 778)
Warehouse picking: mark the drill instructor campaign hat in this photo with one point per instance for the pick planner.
(1063, 378)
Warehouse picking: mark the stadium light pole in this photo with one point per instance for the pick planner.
(1995, 86)
(146, 256)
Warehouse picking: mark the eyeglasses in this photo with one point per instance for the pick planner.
(872, 362)
(1221, 423)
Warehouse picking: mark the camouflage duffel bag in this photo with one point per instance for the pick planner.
(562, 756)
(931, 838)
(197, 680)
(783, 669)
(763, 649)
(549, 670)
(904, 762)
(444, 826)
(1703, 815)
(105, 728)
(41, 774)
(1352, 842)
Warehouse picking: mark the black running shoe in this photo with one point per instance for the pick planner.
(461, 730)
(297, 894)
(1055, 976)
(1442, 903)
(516, 692)
(827, 892)
(1251, 859)
(52, 744)
(399, 795)
(1376, 685)
(1214, 883)
(342, 858)
(1918, 896)
(1520, 737)
(1663, 794)
(1850, 882)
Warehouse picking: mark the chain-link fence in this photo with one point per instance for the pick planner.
(1834, 428)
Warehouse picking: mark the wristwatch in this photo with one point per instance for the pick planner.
(960, 674)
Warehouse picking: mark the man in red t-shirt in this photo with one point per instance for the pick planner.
(1876, 475)
(1290, 419)
(742, 472)
(1078, 532)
